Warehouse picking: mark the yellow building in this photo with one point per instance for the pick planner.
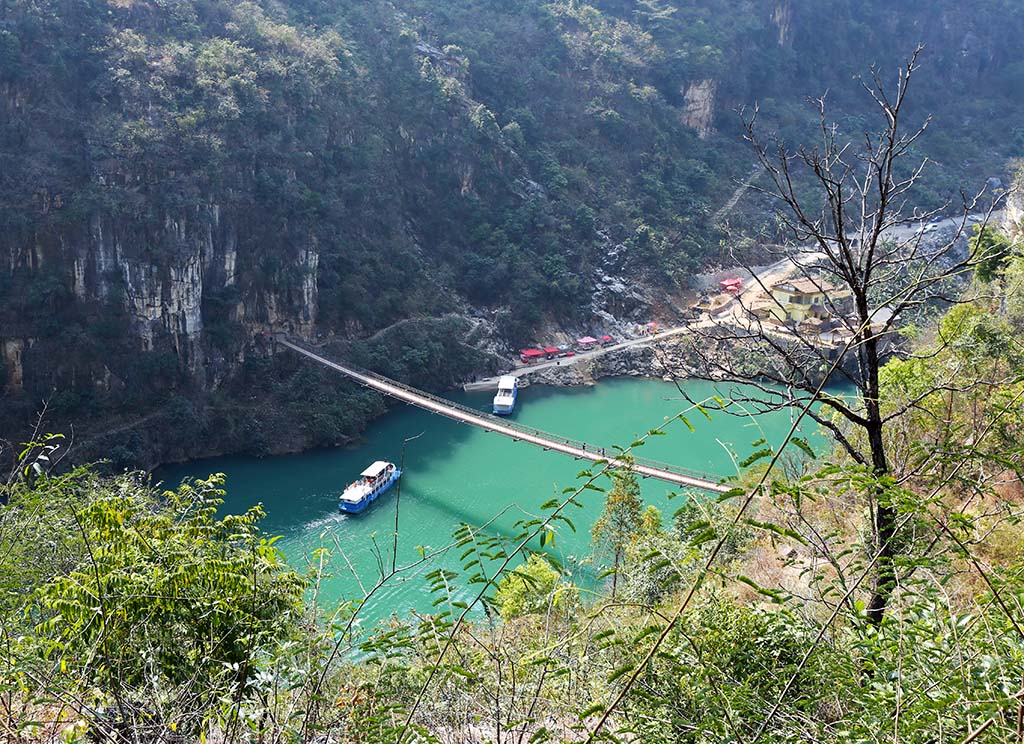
(796, 300)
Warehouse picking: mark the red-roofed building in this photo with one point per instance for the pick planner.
(551, 351)
(732, 286)
(529, 356)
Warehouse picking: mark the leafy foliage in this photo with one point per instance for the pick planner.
(154, 611)
(619, 524)
(494, 153)
(992, 251)
(529, 588)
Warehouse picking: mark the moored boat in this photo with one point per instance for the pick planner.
(373, 481)
(505, 399)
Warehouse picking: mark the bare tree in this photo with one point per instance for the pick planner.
(861, 248)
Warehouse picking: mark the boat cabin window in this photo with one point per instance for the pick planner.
(380, 477)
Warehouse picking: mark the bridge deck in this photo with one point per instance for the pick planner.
(466, 415)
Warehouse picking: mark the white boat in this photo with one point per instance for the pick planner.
(505, 399)
(373, 481)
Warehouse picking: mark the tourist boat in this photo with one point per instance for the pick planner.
(372, 482)
(505, 399)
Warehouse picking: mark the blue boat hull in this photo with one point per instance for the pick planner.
(360, 506)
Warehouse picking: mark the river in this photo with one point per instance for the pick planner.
(456, 474)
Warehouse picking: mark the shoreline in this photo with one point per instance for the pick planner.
(358, 440)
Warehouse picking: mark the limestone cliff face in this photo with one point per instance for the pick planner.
(1013, 215)
(782, 18)
(14, 371)
(162, 276)
(699, 107)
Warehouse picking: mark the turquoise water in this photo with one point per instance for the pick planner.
(456, 474)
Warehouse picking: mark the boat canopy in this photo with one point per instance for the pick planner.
(376, 469)
(586, 340)
(507, 382)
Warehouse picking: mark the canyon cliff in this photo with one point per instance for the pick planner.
(182, 180)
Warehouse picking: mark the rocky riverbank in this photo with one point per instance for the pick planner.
(674, 358)
(666, 359)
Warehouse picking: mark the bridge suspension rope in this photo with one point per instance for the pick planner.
(464, 414)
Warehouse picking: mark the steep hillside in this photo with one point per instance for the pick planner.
(179, 178)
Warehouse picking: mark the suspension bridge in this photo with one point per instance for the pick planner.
(518, 432)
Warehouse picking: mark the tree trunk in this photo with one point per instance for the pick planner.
(884, 515)
(615, 572)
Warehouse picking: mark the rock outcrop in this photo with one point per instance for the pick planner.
(1013, 215)
(634, 361)
(699, 108)
(782, 17)
(162, 275)
(14, 371)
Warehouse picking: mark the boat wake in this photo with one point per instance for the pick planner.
(329, 519)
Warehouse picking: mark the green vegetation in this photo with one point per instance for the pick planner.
(178, 177)
(533, 588)
(619, 524)
(993, 251)
(149, 610)
(134, 615)
(873, 594)
(129, 614)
